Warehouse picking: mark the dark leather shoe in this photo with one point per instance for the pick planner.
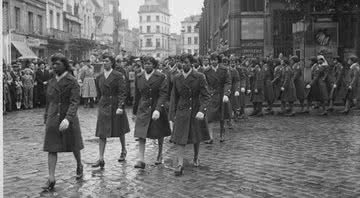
(79, 172)
(159, 160)
(49, 185)
(99, 163)
(122, 156)
(179, 171)
(140, 165)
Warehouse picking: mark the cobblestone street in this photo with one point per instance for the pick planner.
(272, 156)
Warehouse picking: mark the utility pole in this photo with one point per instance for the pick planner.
(116, 15)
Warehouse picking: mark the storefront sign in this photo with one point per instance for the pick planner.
(18, 37)
(252, 28)
(252, 48)
(34, 42)
(326, 38)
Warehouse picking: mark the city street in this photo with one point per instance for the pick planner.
(272, 156)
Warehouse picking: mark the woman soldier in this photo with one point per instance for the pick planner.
(151, 93)
(353, 93)
(318, 87)
(112, 120)
(219, 82)
(63, 132)
(336, 76)
(298, 70)
(277, 81)
(257, 87)
(189, 102)
(268, 88)
(243, 77)
(235, 89)
(288, 87)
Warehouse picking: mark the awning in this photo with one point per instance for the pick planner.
(25, 51)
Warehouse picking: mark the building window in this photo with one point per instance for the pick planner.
(51, 19)
(58, 20)
(157, 29)
(148, 43)
(17, 18)
(189, 51)
(157, 43)
(141, 43)
(189, 41)
(148, 29)
(252, 5)
(157, 18)
(196, 40)
(40, 24)
(189, 29)
(31, 22)
(148, 18)
(140, 18)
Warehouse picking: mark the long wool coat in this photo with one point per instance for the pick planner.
(335, 78)
(188, 97)
(219, 83)
(63, 98)
(268, 87)
(289, 93)
(257, 82)
(278, 81)
(243, 79)
(151, 95)
(354, 82)
(112, 93)
(235, 86)
(319, 90)
(299, 81)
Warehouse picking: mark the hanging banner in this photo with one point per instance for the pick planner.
(326, 38)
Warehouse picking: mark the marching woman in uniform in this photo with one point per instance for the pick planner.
(336, 76)
(243, 77)
(219, 82)
(288, 87)
(235, 89)
(112, 120)
(257, 88)
(268, 87)
(353, 93)
(189, 103)
(318, 85)
(63, 132)
(298, 70)
(151, 93)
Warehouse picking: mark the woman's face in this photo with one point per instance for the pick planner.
(350, 62)
(206, 62)
(187, 65)
(59, 67)
(107, 64)
(148, 67)
(214, 62)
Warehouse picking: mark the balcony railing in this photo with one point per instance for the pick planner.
(59, 34)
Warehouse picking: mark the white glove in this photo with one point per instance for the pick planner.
(225, 99)
(119, 111)
(242, 90)
(200, 115)
(350, 87)
(45, 83)
(256, 91)
(248, 91)
(64, 125)
(156, 115)
(308, 86)
(334, 86)
(171, 123)
(282, 89)
(237, 93)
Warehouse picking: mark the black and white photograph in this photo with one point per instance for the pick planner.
(180, 99)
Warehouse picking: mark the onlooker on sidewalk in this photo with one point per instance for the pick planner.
(19, 92)
(28, 83)
(42, 76)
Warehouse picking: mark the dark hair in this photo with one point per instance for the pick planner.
(63, 59)
(41, 62)
(150, 59)
(353, 58)
(111, 58)
(187, 56)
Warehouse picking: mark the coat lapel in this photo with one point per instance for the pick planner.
(110, 78)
